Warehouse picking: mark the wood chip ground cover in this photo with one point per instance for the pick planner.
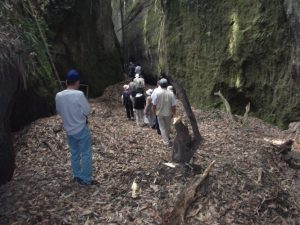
(42, 190)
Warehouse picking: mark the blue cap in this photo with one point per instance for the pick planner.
(73, 75)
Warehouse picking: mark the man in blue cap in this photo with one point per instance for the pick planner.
(73, 107)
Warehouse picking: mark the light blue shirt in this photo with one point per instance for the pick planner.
(74, 108)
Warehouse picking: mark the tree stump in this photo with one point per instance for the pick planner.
(184, 145)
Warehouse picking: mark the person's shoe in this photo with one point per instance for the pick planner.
(92, 182)
(77, 179)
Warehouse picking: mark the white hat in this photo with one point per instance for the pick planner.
(125, 87)
(163, 82)
(137, 75)
(149, 92)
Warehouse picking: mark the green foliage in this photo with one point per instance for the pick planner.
(41, 79)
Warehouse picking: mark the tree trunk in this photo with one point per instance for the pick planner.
(189, 112)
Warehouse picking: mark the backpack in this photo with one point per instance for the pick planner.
(126, 98)
(139, 101)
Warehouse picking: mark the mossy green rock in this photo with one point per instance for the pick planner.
(243, 48)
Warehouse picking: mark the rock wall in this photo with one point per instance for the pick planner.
(79, 34)
(83, 37)
(247, 49)
(8, 85)
(11, 62)
(142, 33)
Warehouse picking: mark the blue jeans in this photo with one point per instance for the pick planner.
(81, 154)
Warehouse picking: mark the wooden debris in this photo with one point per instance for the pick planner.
(135, 190)
(172, 165)
(227, 105)
(259, 175)
(184, 145)
(185, 198)
(245, 117)
(290, 157)
(294, 127)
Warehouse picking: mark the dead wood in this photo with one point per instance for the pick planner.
(196, 140)
(182, 147)
(185, 198)
(293, 127)
(52, 150)
(292, 158)
(227, 105)
(245, 117)
(259, 175)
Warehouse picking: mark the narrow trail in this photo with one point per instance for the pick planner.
(42, 191)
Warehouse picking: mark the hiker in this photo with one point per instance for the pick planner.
(131, 70)
(127, 102)
(139, 82)
(138, 69)
(163, 75)
(148, 112)
(155, 124)
(73, 107)
(164, 106)
(139, 106)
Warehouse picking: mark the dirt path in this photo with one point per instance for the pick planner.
(42, 191)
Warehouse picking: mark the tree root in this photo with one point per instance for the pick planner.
(185, 198)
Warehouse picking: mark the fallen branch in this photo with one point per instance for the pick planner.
(245, 118)
(185, 198)
(227, 105)
(259, 175)
(292, 158)
(53, 151)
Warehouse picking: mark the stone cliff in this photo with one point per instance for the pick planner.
(247, 49)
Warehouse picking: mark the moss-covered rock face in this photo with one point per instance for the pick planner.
(83, 38)
(142, 33)
(245, 49)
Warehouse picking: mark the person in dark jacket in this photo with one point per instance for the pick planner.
(127, 102)
(131, 70)
(139, 106)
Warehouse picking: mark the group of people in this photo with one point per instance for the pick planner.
(134, 69)
(151, 107)
(157, 110)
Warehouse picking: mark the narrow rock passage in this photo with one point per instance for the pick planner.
(42, 191)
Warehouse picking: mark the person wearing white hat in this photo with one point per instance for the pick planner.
(148, 112)
(164, 106)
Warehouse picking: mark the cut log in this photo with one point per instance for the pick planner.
(184, 145)
(294, 127)
(292, 158)
(185, 199)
